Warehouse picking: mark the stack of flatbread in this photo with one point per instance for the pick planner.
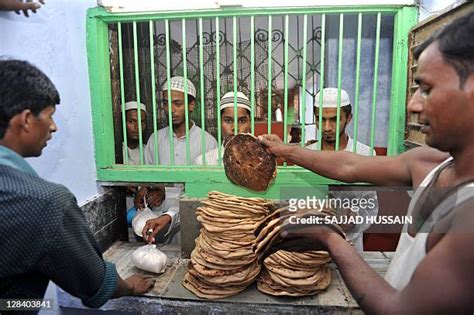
(295, 274)
(291, 273)
(223, 262)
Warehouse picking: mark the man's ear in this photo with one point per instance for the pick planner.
(23, 120)
(191, 105)
(349, 118)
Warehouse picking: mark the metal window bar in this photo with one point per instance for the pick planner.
(375, 90)
(168, 82)
(186, 103)
(303, 80)
(201, 68)
(122, 95)
(234, 53)
(269, 78)
(339, 78)
(218, 93)
(321, 80)
(137, 88)
(153, 92)
(357, 83)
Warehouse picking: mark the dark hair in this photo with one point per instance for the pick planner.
(23, 86)
(456, 45)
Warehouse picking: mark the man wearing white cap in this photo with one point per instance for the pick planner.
(329, 123)
(171, 203)
(131, 119)
(227, 123)
(328, 143)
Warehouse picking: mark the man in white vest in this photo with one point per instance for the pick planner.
(433, 268)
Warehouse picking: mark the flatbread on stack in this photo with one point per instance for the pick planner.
(223, 262)
(268, 231)
(292, 273)
(247, 163)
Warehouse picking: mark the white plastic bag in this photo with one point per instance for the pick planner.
(139, 221)
(149, 258)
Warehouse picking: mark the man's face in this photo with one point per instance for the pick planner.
(177, 107)
(329, 123)
(444, 110)
(132, 124)
(42, 127)
(243, 120)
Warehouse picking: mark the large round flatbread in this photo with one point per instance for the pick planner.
(247, 163)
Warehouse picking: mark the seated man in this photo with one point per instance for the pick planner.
(170, 215)
(131, 154)
(44, 234)
(227, 124)
(328, 143)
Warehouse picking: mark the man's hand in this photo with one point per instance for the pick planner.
(347, 212)
(17, 5)
(274, 144)
(155, 196)
(140, 284)
(155, 226)
(138, 200)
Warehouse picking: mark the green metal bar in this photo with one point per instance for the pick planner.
(303, 80)
(168, 82)
(122, 95)
(153, 91)
(270, 78)
(218, 92)
(229, 12)
(357, 83)
(285, 83)
(321, 80)
(404, 20)
(234, 53)
(339, 77)
(186, 105)
(252, 73)
(374, 94)
(137, 90)
(101, 94)
(203, 104)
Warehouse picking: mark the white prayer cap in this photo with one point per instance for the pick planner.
(228, 101)
(134, 105)
(330, 98)
(177, 84)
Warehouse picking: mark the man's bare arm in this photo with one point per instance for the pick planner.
(349, 167)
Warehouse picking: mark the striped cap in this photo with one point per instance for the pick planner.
(177, 84)
(228, 101)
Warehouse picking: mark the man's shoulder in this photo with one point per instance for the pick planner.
(29, 186)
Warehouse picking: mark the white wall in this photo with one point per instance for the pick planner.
(54, 39)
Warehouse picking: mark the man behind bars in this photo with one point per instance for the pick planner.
(227, 124)
(328, 131)
(433, 267)
(43, 232)
(178, 112)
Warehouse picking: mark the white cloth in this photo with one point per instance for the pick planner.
(133, 154)
(212, 157)
(179, 145)
(356, 234)
(411, 250)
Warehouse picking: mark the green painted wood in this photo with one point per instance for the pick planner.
(122, 93)
(321, 79)
(303, 79)
(201, 74)
(153, 90)
(218, 94)
(405, 19)
(137, 91)
(269, 76)
(230, 12)
(252, 73)
(186, 103)
(100, 86)
(168, 83)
